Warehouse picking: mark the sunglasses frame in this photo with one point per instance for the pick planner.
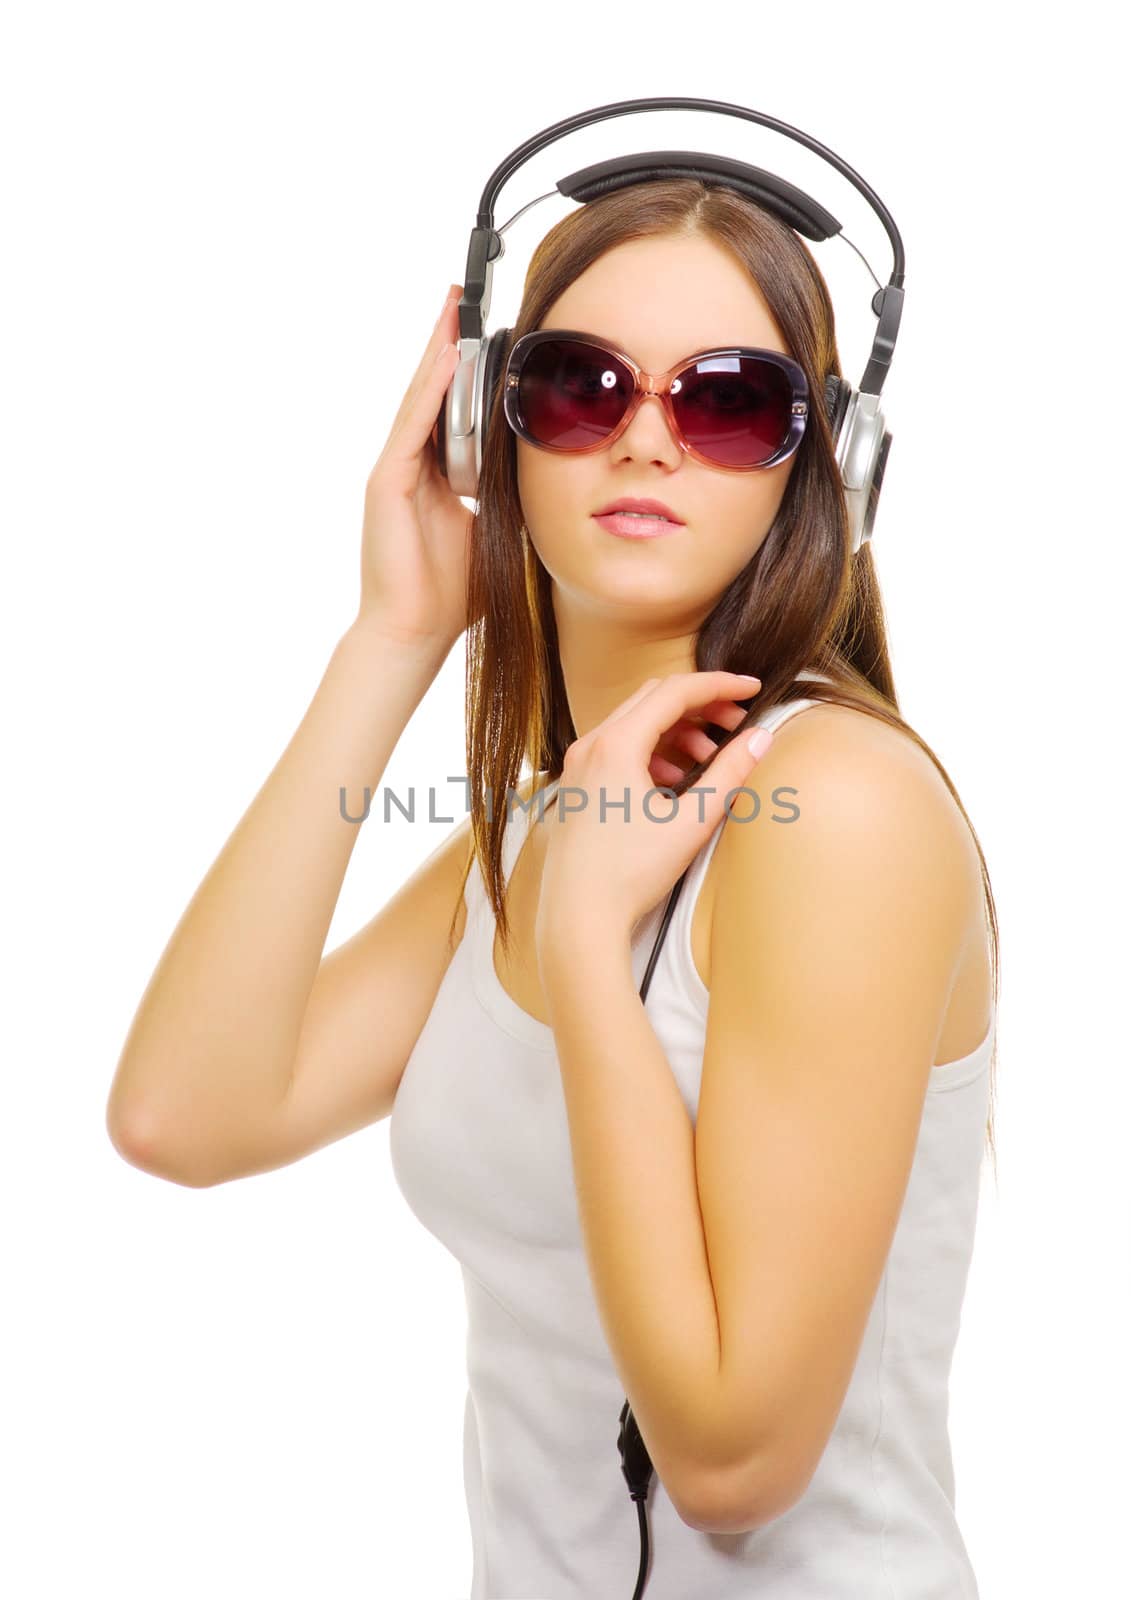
(659, 385)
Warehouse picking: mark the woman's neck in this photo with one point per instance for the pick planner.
(604, 663)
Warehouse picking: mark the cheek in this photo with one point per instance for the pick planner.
(740, 527)
(752, 517)
(535, 491)
(547, 491)
(728, 554)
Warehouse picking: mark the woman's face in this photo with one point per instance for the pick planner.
(658, 300)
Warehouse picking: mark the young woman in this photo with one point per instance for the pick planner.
(747, 1202)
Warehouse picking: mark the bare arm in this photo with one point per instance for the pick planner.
(215, 1038)
(247, 1049)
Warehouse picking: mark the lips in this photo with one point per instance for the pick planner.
(627, 526)
(653, 508)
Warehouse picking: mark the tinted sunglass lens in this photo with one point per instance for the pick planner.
(736, 410)
(570, 394)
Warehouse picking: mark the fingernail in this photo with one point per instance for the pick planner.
(759, 741)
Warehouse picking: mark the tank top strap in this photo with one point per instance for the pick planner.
(513, 835)
(519, 821)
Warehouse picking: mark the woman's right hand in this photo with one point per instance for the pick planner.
(416, 534)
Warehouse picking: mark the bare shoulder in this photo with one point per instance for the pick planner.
(860, 753)
(827, 727)
(854, 781)
(855, 869)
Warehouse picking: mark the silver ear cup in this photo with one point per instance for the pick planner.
(862, 450)
(460, 419)
(476, 386)
(873, 496)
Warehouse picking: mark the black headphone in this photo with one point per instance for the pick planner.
(855, 418)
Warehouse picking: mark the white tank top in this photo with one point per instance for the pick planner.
(480, 1148)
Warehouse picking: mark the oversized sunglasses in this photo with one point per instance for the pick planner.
(734, 407)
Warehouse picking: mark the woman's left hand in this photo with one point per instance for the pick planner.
(607, 874)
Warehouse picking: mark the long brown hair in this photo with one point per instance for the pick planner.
(801, 602)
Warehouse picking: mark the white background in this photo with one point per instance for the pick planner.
(227, 231)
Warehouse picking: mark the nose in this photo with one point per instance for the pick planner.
(651, 409)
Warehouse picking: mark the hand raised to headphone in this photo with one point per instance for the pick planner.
(416, 535)
(612, 871)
